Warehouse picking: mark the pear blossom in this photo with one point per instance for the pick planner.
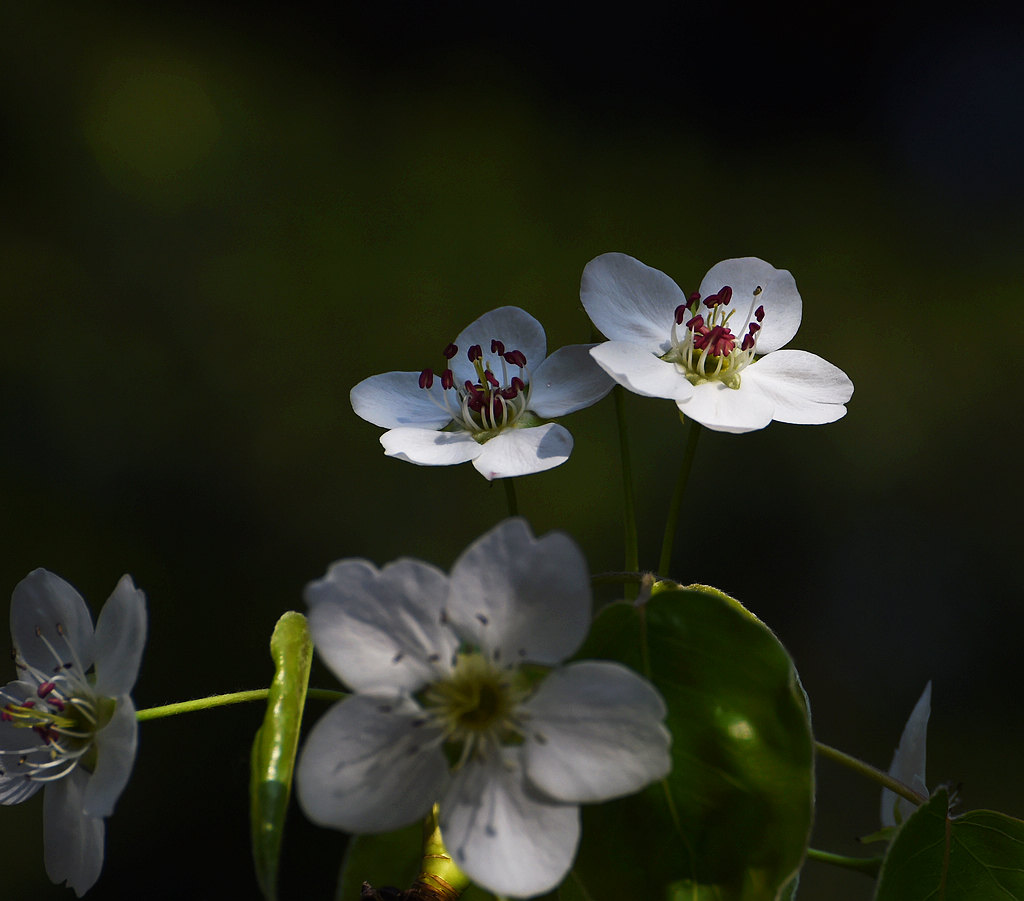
(717, 352)
(67, 722)
(908, 763)
(451, 705)
(489, 401)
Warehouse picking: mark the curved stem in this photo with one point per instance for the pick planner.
(869, 772)
(235, 697)
(665, 563)
(510, 497)
(632, 554)
(869, 866)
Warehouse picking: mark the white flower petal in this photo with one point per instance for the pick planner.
(503, 834)
(519, 452)
(395, 399)
(783, 307)
(629, 301)
(521, 598)
(120, 639)
(803, 388)
(381, 628)
(515, 328)
(724, 409)
(908, 763)
(43, 601)
(642, 372)
(115, 747)
(428, 448)
(371, 764)
(72, 840)
(567, 381)
(595, 733)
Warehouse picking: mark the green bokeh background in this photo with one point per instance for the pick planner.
(214, 221)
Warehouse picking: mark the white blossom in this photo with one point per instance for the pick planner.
(68, 722)
(490, 401)
(449, 706)
(716, 353)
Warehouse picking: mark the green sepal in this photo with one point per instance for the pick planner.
(976, 855)
(732, 820)
(276, 745)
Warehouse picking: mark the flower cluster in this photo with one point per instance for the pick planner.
(450, 706)
(717, 352)
(67, 722)
(490, 402)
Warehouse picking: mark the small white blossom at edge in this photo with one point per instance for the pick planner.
(908, 763)
(67, 722)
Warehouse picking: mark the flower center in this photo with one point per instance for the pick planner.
(708, 349)
(59, 717)
(496, 400)
(476, 705)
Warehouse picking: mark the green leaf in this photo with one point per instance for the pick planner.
(978, 855)
(732, 819)
(276, 744)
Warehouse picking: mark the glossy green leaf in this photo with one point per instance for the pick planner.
(276, 744)
(731, 821)
(973, 857)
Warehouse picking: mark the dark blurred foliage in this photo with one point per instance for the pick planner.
(215, 219)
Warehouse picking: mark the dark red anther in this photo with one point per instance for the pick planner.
(45, 688)
(693, 300)
(720, 341)
(509, 393)
(497, 347)
(426, 380)
(516, 358)
(56, 703)
(759, 314)
(447, 379)
(492, 379)
(681, 312)
(517, 383)
(748, 342)
(47, 733)
(450, 351)
(722, 297)
(476, 352)
(696, 324)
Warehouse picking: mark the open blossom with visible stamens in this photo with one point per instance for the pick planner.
(449, 707)
(489, 401)
(68, 722)
(716, 352)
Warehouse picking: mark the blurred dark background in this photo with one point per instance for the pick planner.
(216, 219)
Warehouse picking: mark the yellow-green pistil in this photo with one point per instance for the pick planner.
(477, 705)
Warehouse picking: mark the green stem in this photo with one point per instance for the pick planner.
(510, 497)
(869, 866)
(235, 697)
(665, 563)
(869, 772)
(632, 553)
